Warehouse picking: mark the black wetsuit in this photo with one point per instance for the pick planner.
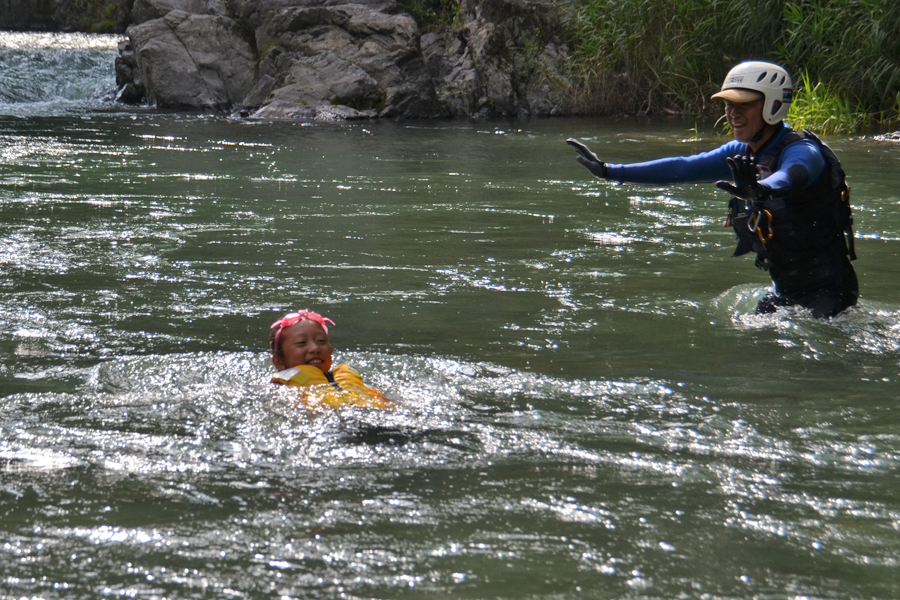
(807, 254)
(805, 239)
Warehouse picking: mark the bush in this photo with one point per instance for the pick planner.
(671, 55)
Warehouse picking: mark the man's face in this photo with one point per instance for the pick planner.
(745, 119)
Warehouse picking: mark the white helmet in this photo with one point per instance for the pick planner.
(750, 79)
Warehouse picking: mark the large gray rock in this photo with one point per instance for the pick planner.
(326, 78)
(346, 54)
(349, 58)
(320, 87)
(193, 61)
(504, 61)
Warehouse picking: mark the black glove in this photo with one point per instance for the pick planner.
(589, 159)
(746, 186)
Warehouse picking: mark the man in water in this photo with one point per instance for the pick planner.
(790, 204)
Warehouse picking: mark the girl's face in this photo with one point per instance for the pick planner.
(303, 343)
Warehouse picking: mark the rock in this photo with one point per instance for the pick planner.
(347, 59)
(347, 54)
(282, 109)
(888, 137)
(126, 63)
(147, 10)
(503, 62)
(130, 94)
(260, 92)
(128, 80)
(254, 13)
(193, 61)
(325, 78)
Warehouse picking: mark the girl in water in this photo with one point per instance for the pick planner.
(301, 352)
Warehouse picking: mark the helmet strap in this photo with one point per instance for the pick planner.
(759, 134)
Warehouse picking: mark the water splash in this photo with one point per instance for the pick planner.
(53, 73)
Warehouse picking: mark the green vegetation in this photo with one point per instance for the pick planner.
(104, 26)
(107, 23)
(434, 15)
(817, 107)
(670, 55)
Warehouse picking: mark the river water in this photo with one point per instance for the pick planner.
(587, 405)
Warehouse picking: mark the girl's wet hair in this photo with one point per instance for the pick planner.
(290, 319)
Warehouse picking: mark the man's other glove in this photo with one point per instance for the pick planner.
(589, 159)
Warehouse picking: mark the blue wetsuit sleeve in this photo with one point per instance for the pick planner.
(698, 168)
(801, 164)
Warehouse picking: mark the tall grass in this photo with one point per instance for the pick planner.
(661, 55)
(853, 46)
(818, 107)
(671, 55)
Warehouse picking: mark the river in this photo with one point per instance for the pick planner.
(587, 404)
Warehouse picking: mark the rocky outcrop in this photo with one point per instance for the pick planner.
(344, 59)
(193, 61)
(366, 59)
(504, 60)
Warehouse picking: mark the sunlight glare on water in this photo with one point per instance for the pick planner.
(586, 402)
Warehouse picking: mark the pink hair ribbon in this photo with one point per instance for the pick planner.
(295, 317)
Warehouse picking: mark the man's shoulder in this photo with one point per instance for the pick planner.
(801, 143)
(788, 142)
(788, 137)
(731, 147)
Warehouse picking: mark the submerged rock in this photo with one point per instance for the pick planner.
(889, 137)
(337, 59)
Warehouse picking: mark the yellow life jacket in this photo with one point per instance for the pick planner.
(316, 391)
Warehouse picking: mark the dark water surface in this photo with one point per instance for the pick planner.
(587, 404)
